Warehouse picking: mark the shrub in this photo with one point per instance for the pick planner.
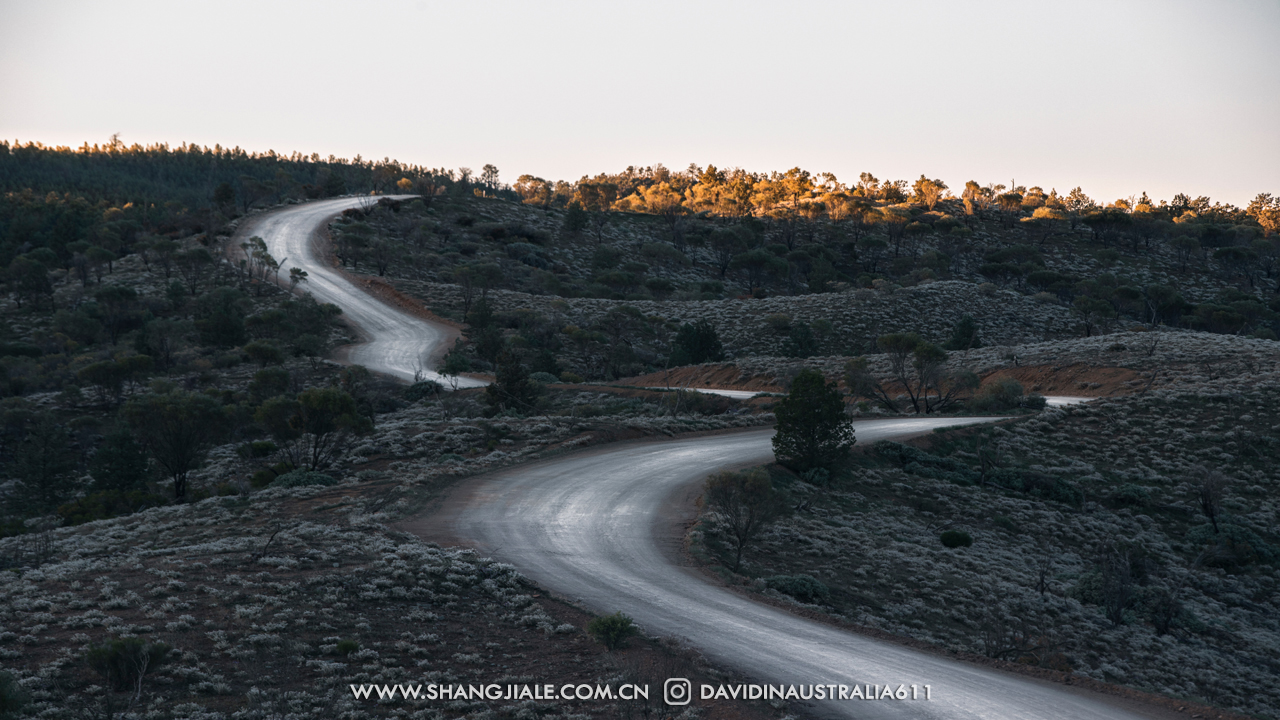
(1005, 394)
(964, 336)
(612, 631)
(1230, 546)
(261, 448)
(804, 588)
(800, 342)
(1006, 523)
(1130, 495)
(126, 661)
(12, 697)
(303, 478)
(696, 403)
(422, 390)
(569, 377)
(19, 349)
(108, 504)
(818, 477)
(263, 353)
(268, 383)
(346, 647)
(696, 343)
(956, 538)
(543, 377)
(778, 322)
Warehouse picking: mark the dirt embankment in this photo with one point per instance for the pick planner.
(1079, 380)
(726, 376)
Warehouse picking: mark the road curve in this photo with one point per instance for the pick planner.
(601, 527)
(396, 343)
(593, 526)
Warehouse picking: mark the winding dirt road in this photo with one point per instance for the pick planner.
(396, 343)
(605, 527)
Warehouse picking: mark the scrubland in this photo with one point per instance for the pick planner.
(1091, 552)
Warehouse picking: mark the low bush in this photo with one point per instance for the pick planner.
(1130, 495)
(1006, 523)
(12, 697)
(1005, 394)
(108, 504)
(612, 631)
(124, 662)
(956, 539)
(804, 588)
(422, 390)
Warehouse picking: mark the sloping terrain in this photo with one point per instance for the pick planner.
(1092, 548)
(273, 605)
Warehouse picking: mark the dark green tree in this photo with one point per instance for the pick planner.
(220, 316)
(268, 383)
(758, 265)
(125, 662)
(106, 377)
(965, 335)
(118, 308)
(44, 467)
(177, 428)
(800, 342)
(13, 697)
(696, 343)
(120, 462)
(224, 196)
(313, 428)
(264, 353)
(813, 430)
(1092, 312)
(511, 389)
(485, 331)
(29, 279)
(575, 219)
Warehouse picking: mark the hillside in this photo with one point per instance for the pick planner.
(131, 320)
(1092, 549)
(578, 295)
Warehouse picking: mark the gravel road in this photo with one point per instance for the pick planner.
(396, 343)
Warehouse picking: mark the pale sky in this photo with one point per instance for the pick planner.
(1117, 97)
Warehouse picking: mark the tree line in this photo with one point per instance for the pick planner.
(799, 197)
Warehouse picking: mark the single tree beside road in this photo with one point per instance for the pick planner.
(812, 431)
(744, 503)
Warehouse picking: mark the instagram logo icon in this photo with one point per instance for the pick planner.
(677, 691)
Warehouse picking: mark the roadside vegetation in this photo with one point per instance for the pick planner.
(1128, 540)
